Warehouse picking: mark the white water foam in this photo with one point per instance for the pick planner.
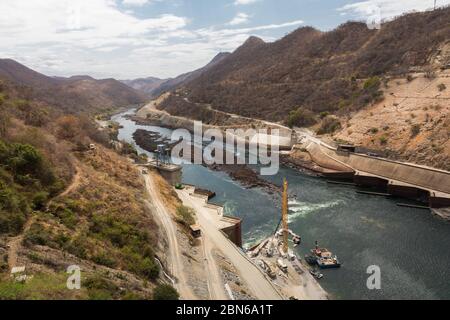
(300, 209)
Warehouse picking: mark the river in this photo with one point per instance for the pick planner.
(410, 246)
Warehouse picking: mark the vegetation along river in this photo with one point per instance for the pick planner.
(409, 245)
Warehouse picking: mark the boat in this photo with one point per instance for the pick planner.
(328, 263)
(316, 274)
(325, 258)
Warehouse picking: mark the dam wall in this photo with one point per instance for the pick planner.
(399, 179)
(420, 176)
(283, 139)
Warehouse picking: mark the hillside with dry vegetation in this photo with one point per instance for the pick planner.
(70, 95)
(318, 71)
(412, 123)
(65, 203)
(342, 83)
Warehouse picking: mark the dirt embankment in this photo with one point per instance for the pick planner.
(411, 124)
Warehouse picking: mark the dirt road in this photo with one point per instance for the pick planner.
(176, 260)
(255, 280)
(15, 243)
(215, 283)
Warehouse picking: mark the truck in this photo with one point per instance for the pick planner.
(283, 267)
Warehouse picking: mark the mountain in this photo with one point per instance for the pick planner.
(179, 81)
(75, 94)
(156, 86)
(47, 170)
(318, 71)
(19, 74)
(148, 85)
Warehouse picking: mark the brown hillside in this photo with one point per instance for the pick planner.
(75, 94)
(318, 70)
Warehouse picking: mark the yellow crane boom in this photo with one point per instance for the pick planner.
(285, 216)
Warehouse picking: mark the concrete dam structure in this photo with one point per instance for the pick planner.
(397, 178)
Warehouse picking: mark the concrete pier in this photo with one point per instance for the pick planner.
(230, 226)
(172, 173)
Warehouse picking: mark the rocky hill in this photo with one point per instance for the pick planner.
(148, 85)
(385, 90)
(63, 204)
(319, 71)
(156, 87)
(76, 94)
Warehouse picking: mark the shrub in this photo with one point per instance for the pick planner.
(430, 73)
(10, 290)
(383, 140)
(442, 87)
(39, 200)
(38, 235)
(324, 114)
(374, 130)
(329, 125)
(67, 217)
(301, 118)
(69, 127)
(131, 296)
(415, 130)
(372, 83)
(128, 149)
(100, 288)
(25, 163)
(13, 210)
(148, 268)
(185, 216)
(104, 260)
(165, 292)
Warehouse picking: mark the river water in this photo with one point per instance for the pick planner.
(410, 246)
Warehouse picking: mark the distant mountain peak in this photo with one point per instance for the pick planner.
(81, 77)
(74, 94)
(253, 40)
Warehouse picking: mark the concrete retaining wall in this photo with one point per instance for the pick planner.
(422, 177)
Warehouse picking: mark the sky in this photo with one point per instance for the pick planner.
(128, 39)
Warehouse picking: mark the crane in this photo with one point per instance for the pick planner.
(285, 216)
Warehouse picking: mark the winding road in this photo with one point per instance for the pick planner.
(158, 207)
(257, 283)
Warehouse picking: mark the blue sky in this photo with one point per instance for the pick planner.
(127, 39)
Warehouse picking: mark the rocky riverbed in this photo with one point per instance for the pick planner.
(243, 174)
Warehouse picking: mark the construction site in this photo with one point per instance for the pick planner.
(271, 264)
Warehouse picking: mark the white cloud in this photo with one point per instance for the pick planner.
(100, 38)
(240, 18)
(244, 2)
(387, 9)
(138, 3)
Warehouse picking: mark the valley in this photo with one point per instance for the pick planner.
(358, 117)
